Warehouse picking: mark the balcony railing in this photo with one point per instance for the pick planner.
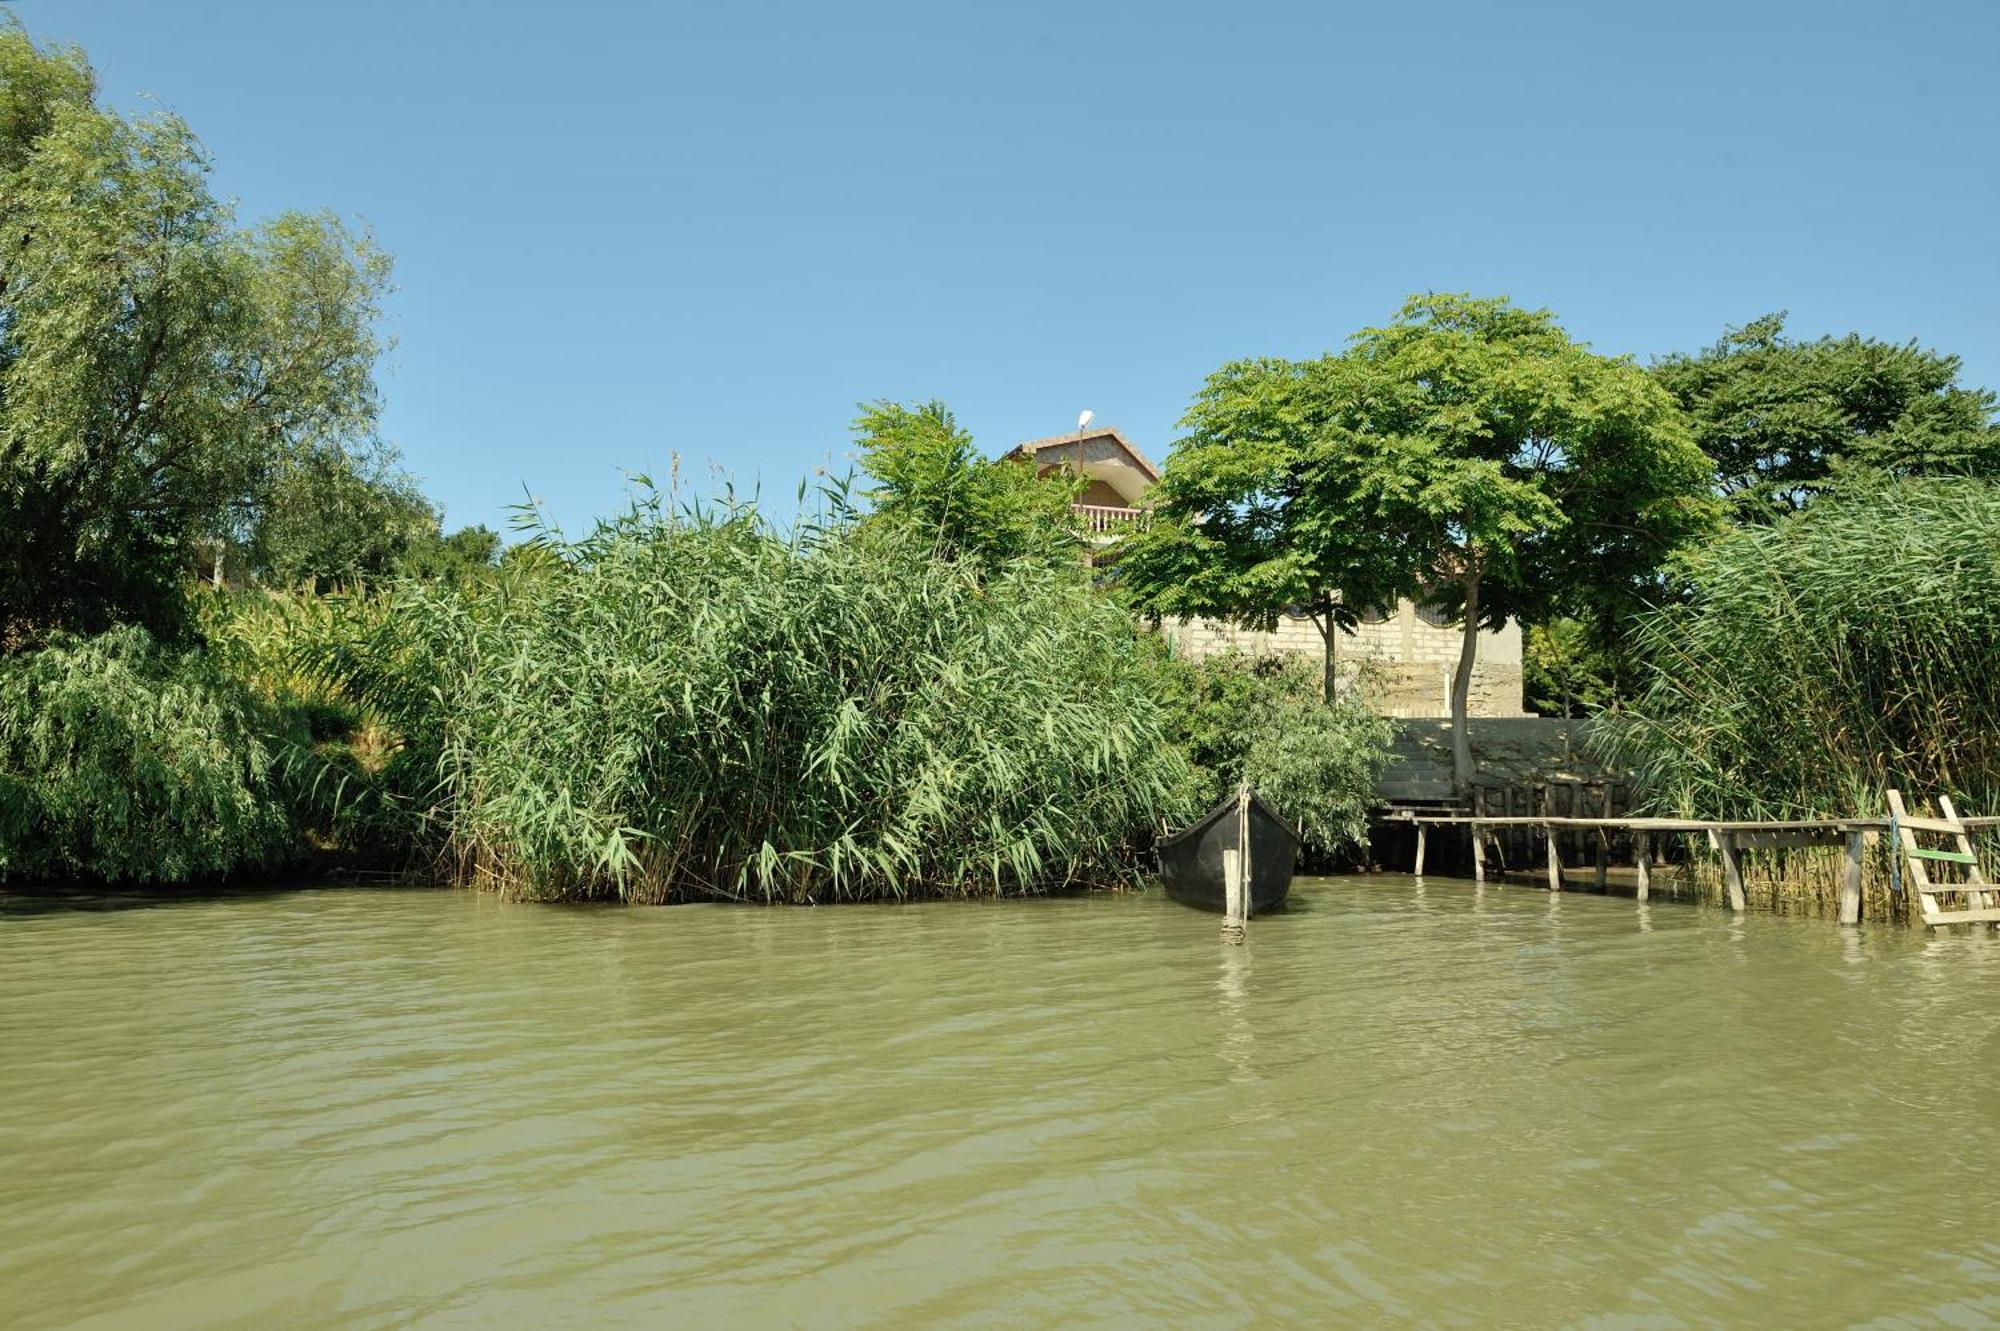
(1100, 520)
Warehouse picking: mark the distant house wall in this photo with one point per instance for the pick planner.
(1409, 659)
(1101, 494)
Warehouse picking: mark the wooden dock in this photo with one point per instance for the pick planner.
(1732, 840)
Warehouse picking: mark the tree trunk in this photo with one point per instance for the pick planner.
(1329, 679)
(1461, 690)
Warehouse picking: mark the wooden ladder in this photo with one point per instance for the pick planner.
(1982, 899)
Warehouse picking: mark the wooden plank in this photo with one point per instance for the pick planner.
(1642, 859)
(1988, 915)
(1941, 826)
(1920, 882)
(1789, 839)
(1972, 875)
(1850, 879)
(1732, 870)
(1948, 856)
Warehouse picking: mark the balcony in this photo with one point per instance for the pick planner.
(1101, 520)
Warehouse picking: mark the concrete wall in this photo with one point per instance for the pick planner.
(1504, 751)
(1407, 661)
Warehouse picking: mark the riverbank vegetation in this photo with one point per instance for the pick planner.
(1265, 720)
(691, 703)
(1818, 659)
(235, 636)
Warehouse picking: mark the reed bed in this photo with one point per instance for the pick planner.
(688, 703)
(1815, 662)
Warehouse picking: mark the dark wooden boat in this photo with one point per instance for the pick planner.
(1191, 859)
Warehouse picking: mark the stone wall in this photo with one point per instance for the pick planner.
(1405, 659)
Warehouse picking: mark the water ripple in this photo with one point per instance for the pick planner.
(1424, 1104)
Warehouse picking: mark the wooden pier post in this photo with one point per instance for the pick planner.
(1850, 880)
(1642, 860)
(1236, 874)
(1478, 835)
(1732, 870)
(1418, 872)
(1555, 860)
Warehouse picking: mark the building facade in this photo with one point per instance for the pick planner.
(1404, 656)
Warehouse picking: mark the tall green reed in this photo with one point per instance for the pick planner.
(690, 703)
(1817, 661)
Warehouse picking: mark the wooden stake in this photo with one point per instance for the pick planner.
(1232, 889)
(1642, 859)
(1478, 836)
(1732, 870)
(1418, 872)
(1236, 874)
(1850, 881)
(1555, 860)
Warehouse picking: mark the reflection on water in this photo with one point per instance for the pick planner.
(1434, 1103)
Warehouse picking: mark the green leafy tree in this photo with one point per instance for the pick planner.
(1568, 671)
(156, 361)
(1467, 453)
(465, 553)
(1248, 521)
(930, 477)
(1782, 419)
(327, 518)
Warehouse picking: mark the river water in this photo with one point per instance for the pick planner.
(1399, 1104)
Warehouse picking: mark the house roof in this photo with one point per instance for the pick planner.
(1034, 446)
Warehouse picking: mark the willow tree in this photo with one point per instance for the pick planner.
(156, 360)
(1468, 453)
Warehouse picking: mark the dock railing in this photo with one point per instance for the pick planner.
(1729, 839)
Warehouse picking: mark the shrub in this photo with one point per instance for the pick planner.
(122, 760)
(1263, 719)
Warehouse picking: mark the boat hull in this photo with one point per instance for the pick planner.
(1191, 860)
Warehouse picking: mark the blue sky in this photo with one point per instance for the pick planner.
(624, 230)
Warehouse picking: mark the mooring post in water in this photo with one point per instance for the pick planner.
(1850, 880)
(1478, 835)
(1418, 872)
(1236, 874)
(1555, 859)
(1642, 860)
(1732, 869)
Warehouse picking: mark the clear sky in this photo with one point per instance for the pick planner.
(624, 229)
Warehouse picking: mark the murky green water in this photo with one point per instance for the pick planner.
(376, 1108)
